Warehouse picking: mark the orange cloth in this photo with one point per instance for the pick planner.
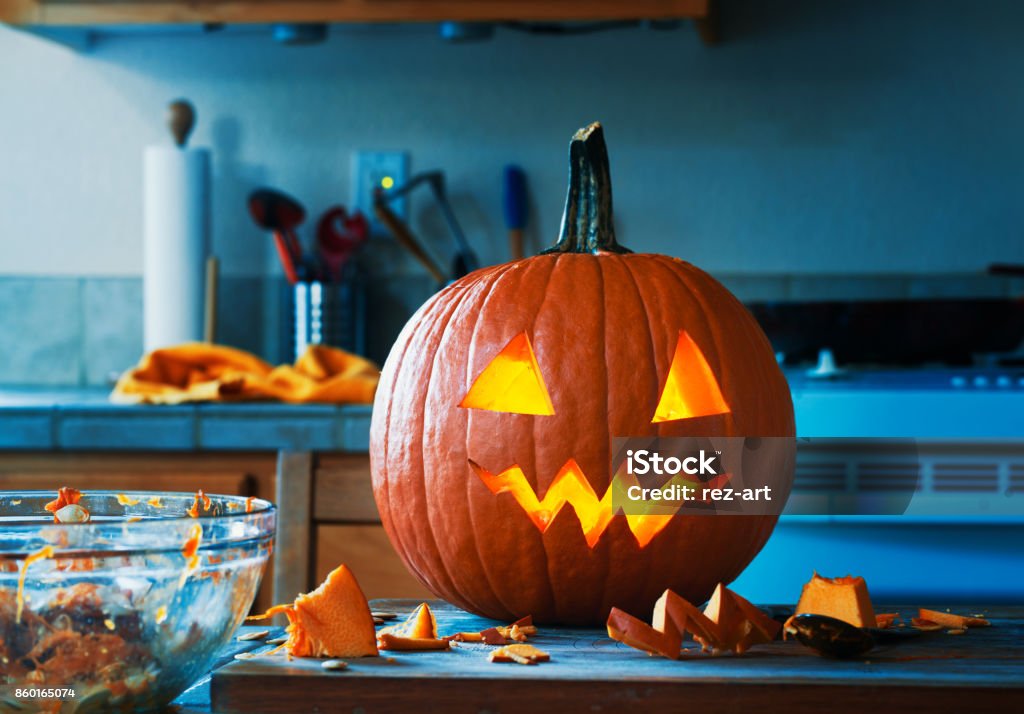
(199, 372)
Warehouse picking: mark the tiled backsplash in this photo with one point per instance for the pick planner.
(84, 331)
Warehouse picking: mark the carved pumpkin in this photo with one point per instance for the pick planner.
(492, 426)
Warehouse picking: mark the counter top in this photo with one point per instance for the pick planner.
(978, 671)
(935, 403)
(84, 420)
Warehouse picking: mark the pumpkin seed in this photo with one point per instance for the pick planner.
(249, 636)
(277, 641)
(334, 665)
(383, 615)
(245, 655)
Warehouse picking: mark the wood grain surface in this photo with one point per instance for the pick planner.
(980, 671)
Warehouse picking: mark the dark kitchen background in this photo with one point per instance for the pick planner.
(854, 171)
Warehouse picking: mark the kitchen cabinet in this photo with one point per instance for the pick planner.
(347, 530)
(368, 552)
(58, 13)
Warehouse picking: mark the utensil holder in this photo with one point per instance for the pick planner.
(326, 313)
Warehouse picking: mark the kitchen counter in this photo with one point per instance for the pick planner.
(978, 671)
(84, 420)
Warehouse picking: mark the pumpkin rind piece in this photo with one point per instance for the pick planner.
(332, 621)
(885, 620)
(948, 619)
(635, 633)
(520, 654)
(673, 610)
(845, 599)
(740, 624)
(397, 643)
(420, 625)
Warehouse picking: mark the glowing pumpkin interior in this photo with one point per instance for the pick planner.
(512, 382)
(691, 389)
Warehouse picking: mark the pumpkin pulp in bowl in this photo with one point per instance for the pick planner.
(124, 612)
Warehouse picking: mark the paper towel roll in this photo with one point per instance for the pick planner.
(175, 244)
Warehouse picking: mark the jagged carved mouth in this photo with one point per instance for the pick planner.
(571, 486)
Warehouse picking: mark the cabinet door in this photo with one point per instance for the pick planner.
(366, 550)
(343, 490)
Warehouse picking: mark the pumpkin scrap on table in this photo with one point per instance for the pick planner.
(520, 631)
(948, 619)
(728, 623)
(634, 632)
(925, 625)
(397, 643)
(421, 624)
(520, 654)
(416, 632)
(845, 599)
(741, 625)
(885, 620)
(332, 621)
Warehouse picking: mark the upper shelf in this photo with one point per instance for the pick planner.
(119, 12)
(64, 20)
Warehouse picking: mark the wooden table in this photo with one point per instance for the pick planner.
(982, 670)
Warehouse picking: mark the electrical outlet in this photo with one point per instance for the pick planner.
(378, 169)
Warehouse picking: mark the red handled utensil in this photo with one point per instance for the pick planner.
(338, 237)
(281, 214)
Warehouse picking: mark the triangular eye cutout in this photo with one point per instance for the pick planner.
(691, 389)
(511, 383)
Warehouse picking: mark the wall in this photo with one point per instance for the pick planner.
(822, 138)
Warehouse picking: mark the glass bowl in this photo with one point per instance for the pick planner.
(124, 612)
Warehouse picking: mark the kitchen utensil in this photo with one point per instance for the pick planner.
(405, 238)
(328, 313)
(465, 260)
(210, 301)
(140, 617)
(514, 203)
(338, 237)
(280, 213)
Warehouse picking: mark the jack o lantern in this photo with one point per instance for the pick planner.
(492, 425)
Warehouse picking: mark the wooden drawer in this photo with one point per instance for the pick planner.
(231, 483)
(368, 552)
(343, 492)
(241, 475)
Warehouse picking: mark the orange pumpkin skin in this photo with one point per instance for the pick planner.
(603, 327)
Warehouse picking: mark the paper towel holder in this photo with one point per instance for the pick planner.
(181, 119)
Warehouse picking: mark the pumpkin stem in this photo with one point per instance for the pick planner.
(587, 219)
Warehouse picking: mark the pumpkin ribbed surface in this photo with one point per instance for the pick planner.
(603, 328)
